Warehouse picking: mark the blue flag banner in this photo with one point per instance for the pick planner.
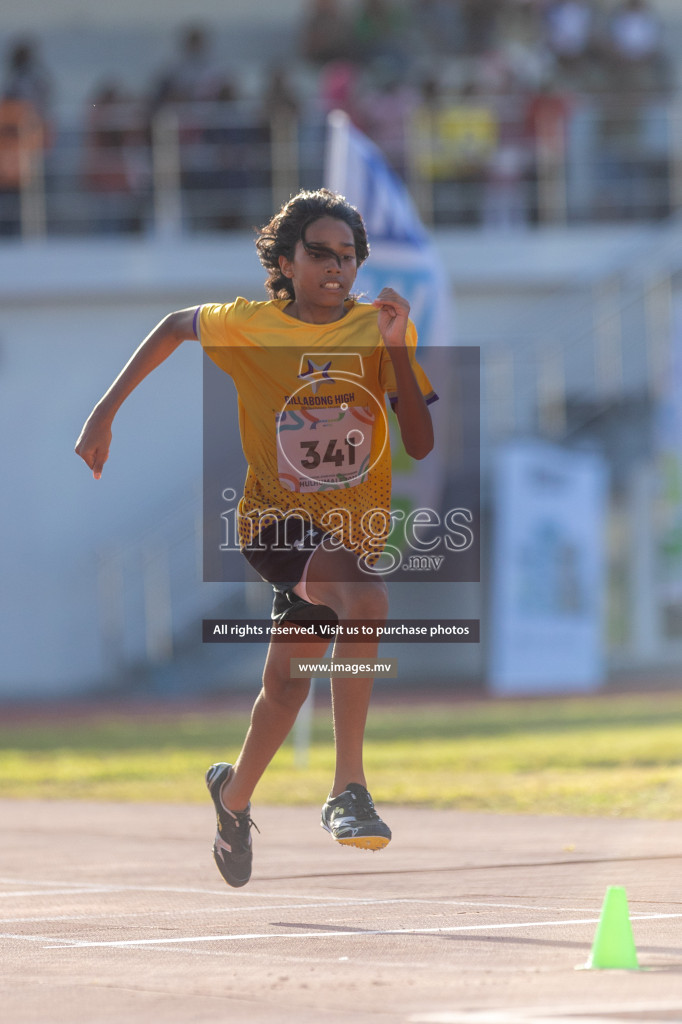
(403, 255)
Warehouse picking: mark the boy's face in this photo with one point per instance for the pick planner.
(324, 266)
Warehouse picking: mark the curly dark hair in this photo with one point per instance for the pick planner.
(288, 227)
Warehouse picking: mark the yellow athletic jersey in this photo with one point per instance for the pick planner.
(312, 415)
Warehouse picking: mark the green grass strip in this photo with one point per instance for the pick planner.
(609, 756)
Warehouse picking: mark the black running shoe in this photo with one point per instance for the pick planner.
(350, 818)
(232, 846)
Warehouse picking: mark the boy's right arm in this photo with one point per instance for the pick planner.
(95, 437)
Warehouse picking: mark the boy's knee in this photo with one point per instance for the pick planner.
(364, 601)
(288, 693)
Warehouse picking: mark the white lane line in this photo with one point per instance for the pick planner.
(349, 901)
(269, 907)
(653, 1013)
(506, 1017)
(55, 892)
(352, 902)
(533, 1017)
(507, 906)
(194, 911)
(340, 934)
(96, 888)
(79, 888)
(44, 882)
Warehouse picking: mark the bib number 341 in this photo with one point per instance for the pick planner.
(317, 451)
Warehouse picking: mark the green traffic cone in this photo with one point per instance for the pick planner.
(614, 945)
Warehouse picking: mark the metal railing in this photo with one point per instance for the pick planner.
(224, 165)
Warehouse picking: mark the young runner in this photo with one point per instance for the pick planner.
(312, 367)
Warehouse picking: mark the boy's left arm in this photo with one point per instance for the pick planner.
(414, 418)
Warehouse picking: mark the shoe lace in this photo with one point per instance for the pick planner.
(364, 807)
(241, 823)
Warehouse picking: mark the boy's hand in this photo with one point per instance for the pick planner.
(94, 443)
(394, 311)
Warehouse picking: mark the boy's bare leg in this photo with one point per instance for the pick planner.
(334, 579)
(350, 704)
(272, 717)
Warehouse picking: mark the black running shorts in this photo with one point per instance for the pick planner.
(279, 555)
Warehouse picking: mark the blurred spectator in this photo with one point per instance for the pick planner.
(469, 133)
(506, 202)
(619, 159)
(280, 99)
(458, 137)
(570, 26)
(521, 39)
(24, 131)
(26, 78)
(635, 33)
(505, 193)
(281, 111)
(633, 172)
(385, 112)
(325, 33)
(192, 75)
(635, 46)
(117, 165)
(186, 90)
(573, 38)
(520, 20)
(234, 167)
(338, 87)
(22, 141)
(546, 120)
(378, 31)
(480, 24)
(438, 25)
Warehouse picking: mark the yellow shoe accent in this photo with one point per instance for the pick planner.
(366, 842)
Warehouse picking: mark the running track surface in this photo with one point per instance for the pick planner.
(116, 913)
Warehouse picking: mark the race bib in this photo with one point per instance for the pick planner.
(323, 449)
